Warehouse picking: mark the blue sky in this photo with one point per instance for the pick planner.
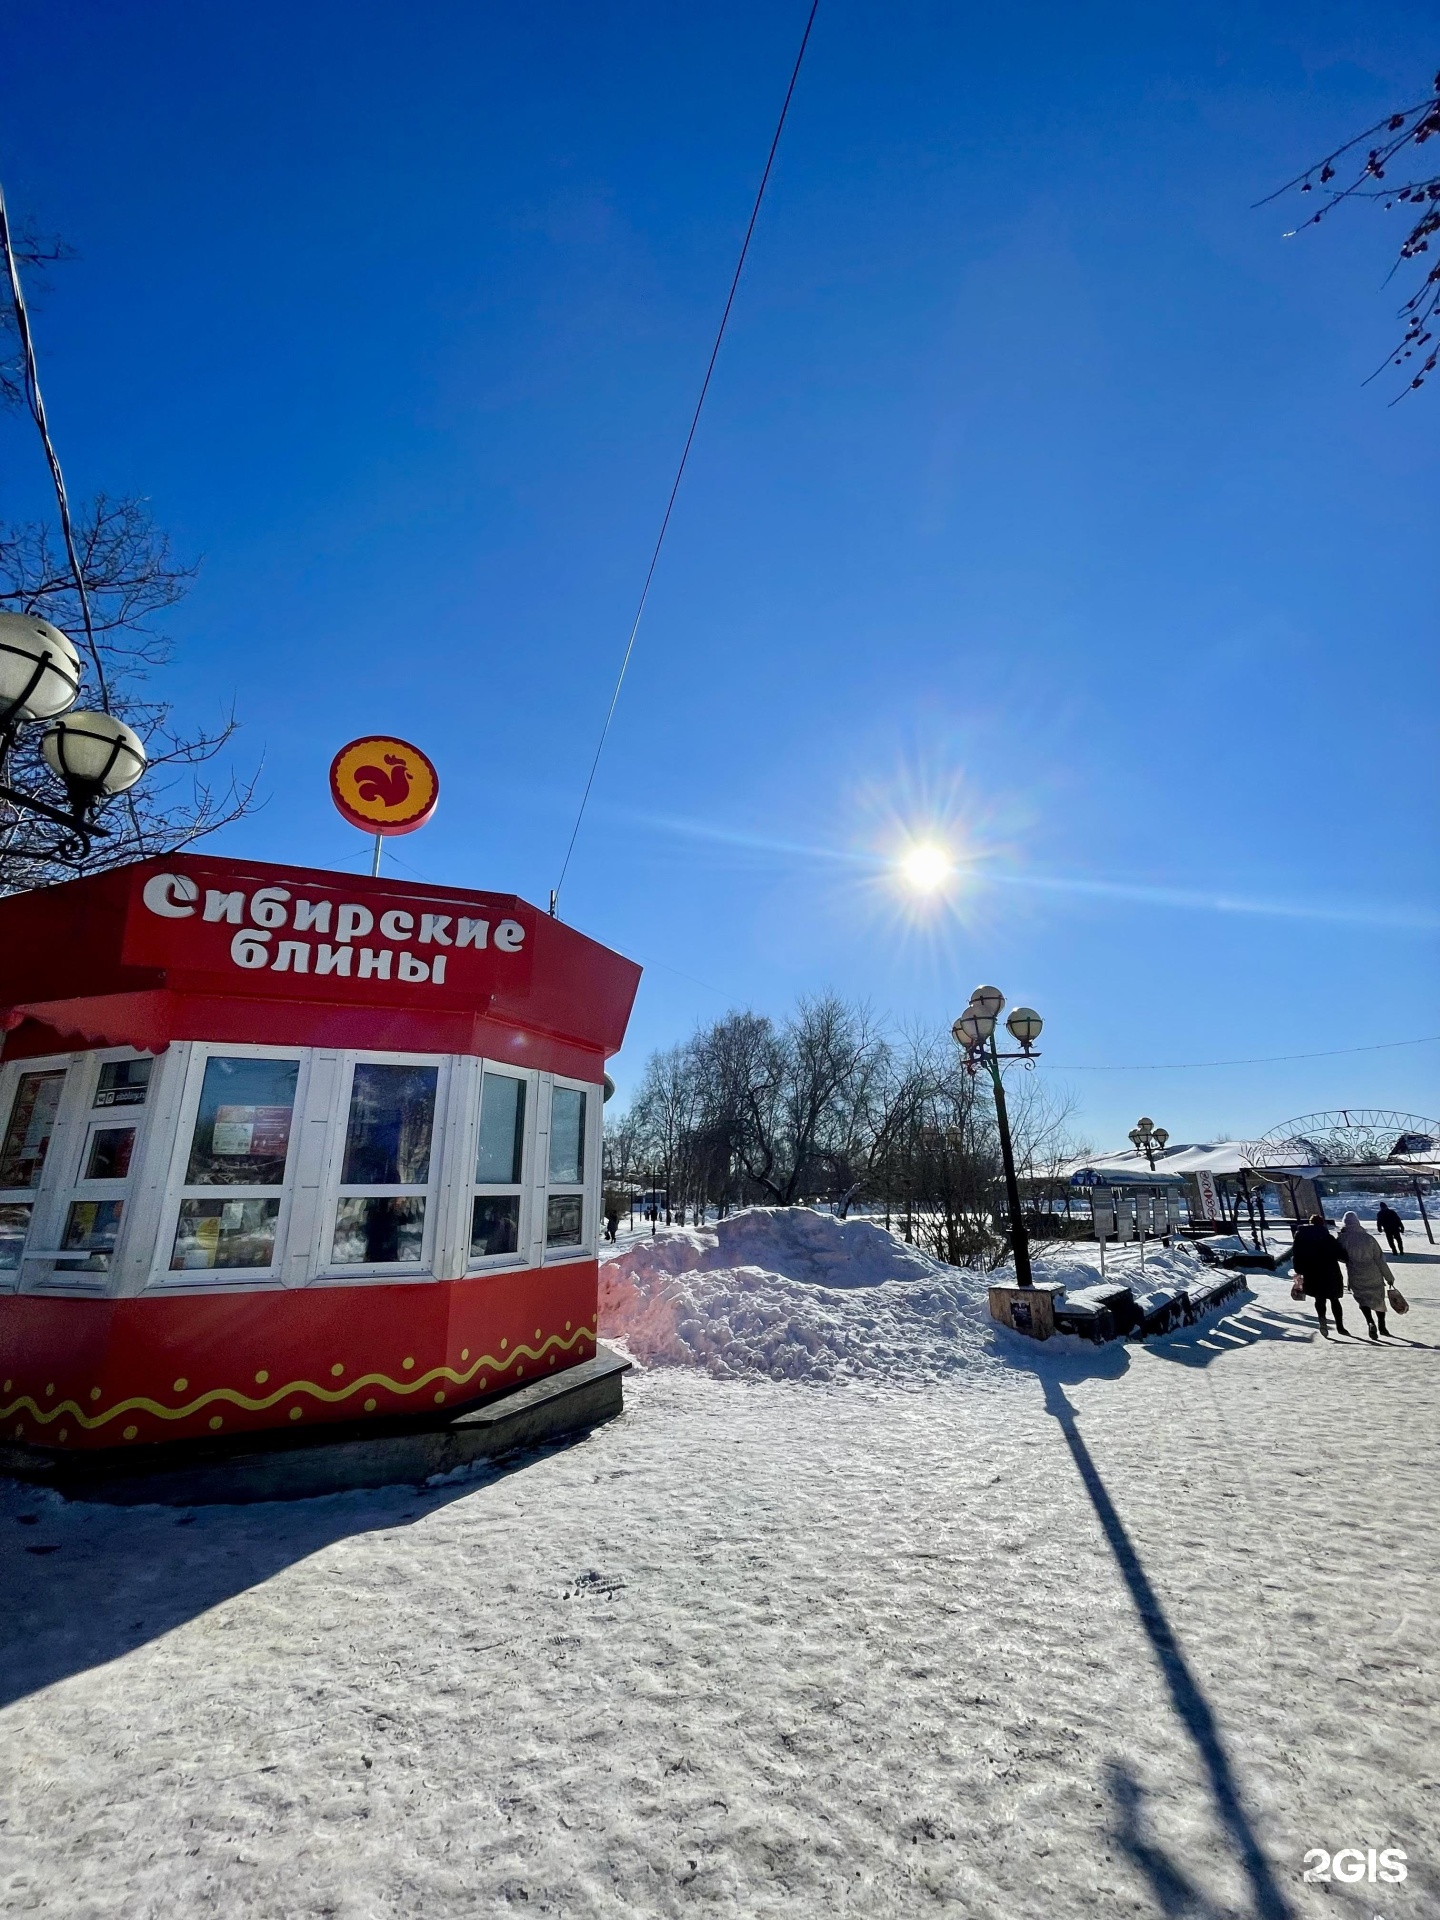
(1038, 504)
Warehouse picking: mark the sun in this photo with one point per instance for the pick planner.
(926, 868)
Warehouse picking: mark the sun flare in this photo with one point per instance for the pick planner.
(926, 868)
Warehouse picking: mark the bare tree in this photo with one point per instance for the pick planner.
(740, 1060)
(1040, 1133)
(828, 1104)
(1368, 178)
(129, 575)
(944, 1169)
(792, 1105)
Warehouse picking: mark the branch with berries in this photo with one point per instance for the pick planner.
(1367, 178)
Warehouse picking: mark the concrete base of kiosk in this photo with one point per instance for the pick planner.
(334, 1459)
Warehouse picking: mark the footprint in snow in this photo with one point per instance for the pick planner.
(595, 1586)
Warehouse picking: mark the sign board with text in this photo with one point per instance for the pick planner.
(188, 946)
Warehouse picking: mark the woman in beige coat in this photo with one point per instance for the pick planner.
(1369, 1272)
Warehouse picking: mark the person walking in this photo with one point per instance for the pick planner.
(1369, 1272)
(1388, 1222)
(1317, 1263)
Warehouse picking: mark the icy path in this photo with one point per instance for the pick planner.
(773, 1649)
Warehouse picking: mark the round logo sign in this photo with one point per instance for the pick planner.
(383, 785)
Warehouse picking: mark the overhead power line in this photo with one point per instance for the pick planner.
(36, 404)
(684, 457)
(1262, 1060)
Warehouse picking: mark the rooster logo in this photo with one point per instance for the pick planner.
(390, 788)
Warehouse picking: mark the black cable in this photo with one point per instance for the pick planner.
(1261, 1060)
(685, 455)
(37, 411)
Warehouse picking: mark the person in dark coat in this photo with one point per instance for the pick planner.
(1317, 1261)
(1388, 1222)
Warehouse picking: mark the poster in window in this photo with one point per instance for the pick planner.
(242, 1130)
(263, 1132)
(32, 1121)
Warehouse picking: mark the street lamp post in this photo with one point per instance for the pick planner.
(94, 754)
(974, 1031)
(1146, 1136)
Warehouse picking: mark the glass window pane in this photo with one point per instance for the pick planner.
(242, 1131)
(392, 1116)
(225, 1233)
(123, 1083)
(495, 1225)
(564, 1216)
(91, 1226)
(502, 1131)
(378, 1232)
(32, 1121)
(109, 1155)
(14, 1225)
(567, 1134)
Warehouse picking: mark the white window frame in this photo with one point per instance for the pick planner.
(79, 1189)
(587, 1188)
(40, 1197)
(326, 1270)
(523, 1190)
(165, 1279)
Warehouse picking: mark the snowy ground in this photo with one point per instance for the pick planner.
(1116, 1634)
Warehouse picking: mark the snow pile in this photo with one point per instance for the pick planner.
(791, 1294)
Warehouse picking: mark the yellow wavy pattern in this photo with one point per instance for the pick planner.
(233, 1397)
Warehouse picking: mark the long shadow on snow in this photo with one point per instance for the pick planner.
(1208, 1340)
(1186, 1694)
(82, 1583)
(1229, 1330)
(1176, 1895)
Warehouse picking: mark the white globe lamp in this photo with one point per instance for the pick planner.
(1025, 1026)
(94, 754)
(39, 670)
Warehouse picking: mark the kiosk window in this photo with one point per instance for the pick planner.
(91, 1227)
(380, 1216)
(564, 1220)
(499, 1160)
(242, 1130)
(567, 1136)
(241, 1142)
(225, 1233)
(32, 1121)
(565, 1211)
(14, 1226)
(502, 1131)
(392, 1117)
(124, 1083)
(108, 1157)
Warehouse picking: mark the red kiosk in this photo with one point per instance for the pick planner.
(281, 1147)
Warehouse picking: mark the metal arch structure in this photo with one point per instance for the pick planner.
(1355, 1138)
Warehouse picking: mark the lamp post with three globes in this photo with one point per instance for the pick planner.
(1145, 1137)
(94, 754)
(974, 1032)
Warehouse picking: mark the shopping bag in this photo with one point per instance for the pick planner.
(1398, 1302)
(1297, 1288)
